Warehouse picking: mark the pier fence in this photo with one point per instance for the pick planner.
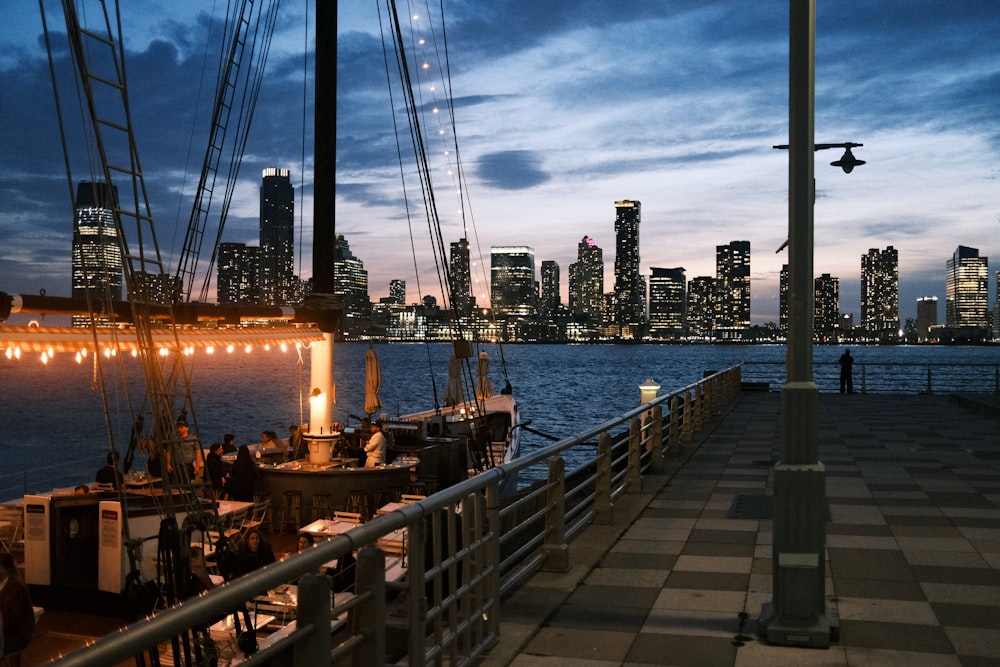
(465, 547)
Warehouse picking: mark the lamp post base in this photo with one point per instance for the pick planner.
(817, 632)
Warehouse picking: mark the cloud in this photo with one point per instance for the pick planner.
(511, 170)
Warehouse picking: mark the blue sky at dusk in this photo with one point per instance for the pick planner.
(561, 109)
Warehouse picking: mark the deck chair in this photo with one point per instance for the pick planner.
(257, 515)
(347, 517)
(12, 533)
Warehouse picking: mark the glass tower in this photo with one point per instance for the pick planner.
(880, 293)
(966, 289)
(667, 303)
(630, 302)
(97, 255)
(586, 279)
(512, 280)
(732, 275)
(277, 242)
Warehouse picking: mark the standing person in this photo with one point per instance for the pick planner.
(218, 471)
(190, 452)
(846, 372)
(15, 608)
(243, 476)
(375, 448)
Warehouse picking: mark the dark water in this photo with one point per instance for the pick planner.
(52, 420)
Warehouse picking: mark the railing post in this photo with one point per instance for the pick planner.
(996, 380)
(864, 379)
(674, 437)
(633, 475)
(368, 620)
(313, 609)
(699, 406)
(687, 431)
(555, 547)
(604, 509)
(654, 445)
(494, 527)
(930, 381)
(416, 577)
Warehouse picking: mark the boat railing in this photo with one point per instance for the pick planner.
(888, 377)
(430, 575)
(43, 478)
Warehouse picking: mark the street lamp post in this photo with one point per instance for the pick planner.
(798, 614)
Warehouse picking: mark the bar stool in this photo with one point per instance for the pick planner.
(292, 511)
(382, 497)
(360, 502)
(321, 506)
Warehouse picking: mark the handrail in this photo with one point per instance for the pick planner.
(466, 547)
(898, 377)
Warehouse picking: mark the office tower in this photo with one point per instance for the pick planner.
(667, 303)
(732, 275)
(397, 291)
(277, 242)
(238, 274)
(549, 301)
(927, 314)
(966, 289)
(97, 255)
(586, 280)
(460, 275)
(880, 293)
(996, 311)
(826, 300)
(700, 307)
(350, 280)
(630, 302)
(512, 280)
(783, 300)
(158, 288)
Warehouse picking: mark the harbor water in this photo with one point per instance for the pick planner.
(55, 420)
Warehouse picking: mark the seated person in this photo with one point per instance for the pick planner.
(228, 443)
(254, 553)
(81, 490)
(218, 472)
(110, 474)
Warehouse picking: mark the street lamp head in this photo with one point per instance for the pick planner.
(847, 161)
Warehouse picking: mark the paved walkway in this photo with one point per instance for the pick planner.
(913, 548)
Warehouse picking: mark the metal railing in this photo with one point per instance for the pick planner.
(888, 378)
(466, 547)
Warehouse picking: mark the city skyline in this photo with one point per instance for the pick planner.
(558, 117)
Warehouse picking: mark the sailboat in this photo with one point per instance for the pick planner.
(473, 431)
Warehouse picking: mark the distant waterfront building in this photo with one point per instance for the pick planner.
(97, 256)
(667, 303)
(238, 274)
(350, 280)
(700, 307)
(783, 301)
(460, 274)
(732, 275)
(966, 289)
(586, 280)
(277, 243)
(826, 321)
(549, 300)
(630, 302)
(397, 291)
(927, 316)
(880, 293)
(159, 288)
(512, 280)
(996, 311)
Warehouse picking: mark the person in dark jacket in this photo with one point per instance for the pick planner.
(15, 608)
(254, 553)
(243, 476)
(218, 472)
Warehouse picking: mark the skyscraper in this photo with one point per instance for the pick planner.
(512, 280)
(549, 300)
(97, 255)
(461, 278)
(277, 242)
(630, 292)
(397, 291)
(238, 274)
(350, 280)
(966, 289)
(880, 293)
(783, 300)
(927, 316)
(732, 275)
(700, 307)
(586, 280)
(667, 303)
(826, 321)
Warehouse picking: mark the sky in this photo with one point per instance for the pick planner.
(560, 110)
